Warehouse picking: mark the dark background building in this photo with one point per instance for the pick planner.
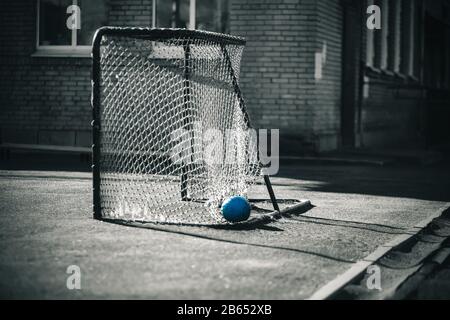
(311, 68)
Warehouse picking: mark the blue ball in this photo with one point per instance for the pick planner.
(236, 209)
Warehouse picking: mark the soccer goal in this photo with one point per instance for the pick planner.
(171, 134)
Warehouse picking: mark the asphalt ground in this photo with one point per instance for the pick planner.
(46, 225)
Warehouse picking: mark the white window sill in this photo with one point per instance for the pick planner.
(63, 53)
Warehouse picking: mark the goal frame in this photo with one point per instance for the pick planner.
(156, 34)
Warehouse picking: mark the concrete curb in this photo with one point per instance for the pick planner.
(359, 267)
(414, 279)
(334, 161)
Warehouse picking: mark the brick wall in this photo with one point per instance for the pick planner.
(277, 63)
(46, 100)
(390, 112)
(136, 13)
(327, 109)
(278, 68)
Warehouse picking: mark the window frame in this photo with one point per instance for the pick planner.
(408, 40)
(73, 50)
(397, 35)
(384, 35)
(412, 41)
(370, 42)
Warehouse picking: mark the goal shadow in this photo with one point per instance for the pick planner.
(260, 216)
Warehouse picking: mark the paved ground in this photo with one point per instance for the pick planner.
(46, 225)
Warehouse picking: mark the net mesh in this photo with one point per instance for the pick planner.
(174, 138)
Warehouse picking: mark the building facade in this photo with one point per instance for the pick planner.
(313, 69)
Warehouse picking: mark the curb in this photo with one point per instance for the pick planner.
(360, 266)
(413, 281)
(335, 161)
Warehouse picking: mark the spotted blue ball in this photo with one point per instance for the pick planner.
(236, 209)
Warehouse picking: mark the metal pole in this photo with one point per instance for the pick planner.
(95, 101)
(192, 10)
(186, 93)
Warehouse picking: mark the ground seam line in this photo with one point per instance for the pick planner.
(360, 266)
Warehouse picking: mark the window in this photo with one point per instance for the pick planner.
(53, 35)
(410, 37)
(211, 15)
(397, 46)
(394, 37)
(417, 45)
(380, 37)
(370, 50)
(384, 33)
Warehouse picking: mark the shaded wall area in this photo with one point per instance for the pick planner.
(403, 96)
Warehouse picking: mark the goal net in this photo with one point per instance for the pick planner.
(171, 135)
